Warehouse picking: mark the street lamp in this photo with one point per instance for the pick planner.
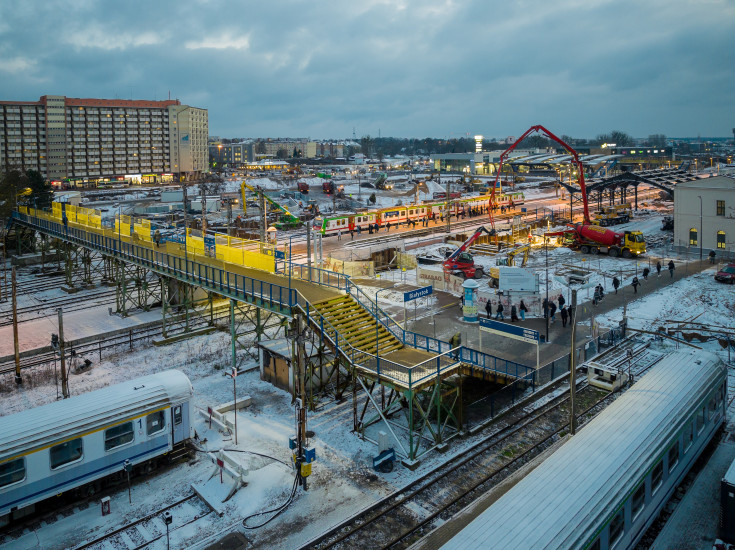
(701, 229)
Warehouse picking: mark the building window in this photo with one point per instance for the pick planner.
(66, 453)
(700, 420)
(638, 501)
(673, 456)
(155, 422)
(721, 239)
(117, 436)
(12, 471)
(720, 208)
(693, 236)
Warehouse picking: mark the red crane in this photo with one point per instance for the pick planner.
(575, 161)
(461, 263)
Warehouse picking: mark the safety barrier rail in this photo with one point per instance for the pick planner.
(312, 274)
(233, 285)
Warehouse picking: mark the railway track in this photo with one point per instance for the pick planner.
(148, 529)
(70, 303)
(106, 342)
(397, 520)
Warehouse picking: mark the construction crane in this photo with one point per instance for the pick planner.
(287, 220)
(575, 161)
(509, 260)
(461, 263)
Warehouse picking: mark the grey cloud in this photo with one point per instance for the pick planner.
(409, 68)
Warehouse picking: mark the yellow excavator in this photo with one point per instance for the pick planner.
(509, 259)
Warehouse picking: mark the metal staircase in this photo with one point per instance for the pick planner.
(356, 326)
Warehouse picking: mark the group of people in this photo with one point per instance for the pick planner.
(514, 310)
(550, 308)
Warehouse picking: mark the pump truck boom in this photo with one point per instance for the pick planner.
(461, 263)
(286, 220)
(575, 161)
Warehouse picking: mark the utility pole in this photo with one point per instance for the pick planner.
(203, 199)
(573, 367)
(263, 219)
(18, 379)
(449, 207)
(301, 401)
(308, 248)
(229, 217)
(62, 343)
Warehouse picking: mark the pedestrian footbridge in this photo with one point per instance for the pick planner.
(358, 333)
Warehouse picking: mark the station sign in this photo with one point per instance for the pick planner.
(418, 293)
(280, 255)
(511, 331)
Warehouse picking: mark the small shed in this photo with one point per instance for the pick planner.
(276, 365)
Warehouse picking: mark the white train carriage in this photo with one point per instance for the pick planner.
(74, 443)
(605, 486)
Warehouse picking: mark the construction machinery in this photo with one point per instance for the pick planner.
(613, 214)
(593, 239)
(330, 188)
(575, 161)
(509, 260)
(381, 182)
(585, 236)
(286, 219)
(461, 263)
(303, 187)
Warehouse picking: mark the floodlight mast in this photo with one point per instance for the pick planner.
(575, 161)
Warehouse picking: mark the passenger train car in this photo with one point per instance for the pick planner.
(397, 215)
(605, 486)
(74, 443)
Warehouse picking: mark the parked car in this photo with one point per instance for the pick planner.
(726, 274)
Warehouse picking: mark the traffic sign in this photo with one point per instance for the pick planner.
(419, 293)
(511, 331)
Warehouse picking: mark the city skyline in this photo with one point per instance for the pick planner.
(402, 69)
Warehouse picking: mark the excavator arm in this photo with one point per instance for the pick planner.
(468, 243)
(267, 198)
(575, 161)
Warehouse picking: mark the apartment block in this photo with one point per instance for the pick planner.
(93, 140)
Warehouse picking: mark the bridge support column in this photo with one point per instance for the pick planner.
(135, 288)
(431, 415)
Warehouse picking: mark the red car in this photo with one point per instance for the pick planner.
(726, 274)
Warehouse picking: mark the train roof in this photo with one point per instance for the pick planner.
(570, 495)
(45, 425)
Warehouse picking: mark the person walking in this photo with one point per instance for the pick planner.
(499, 314)
(671, 268)
(523, 310)
(561, 301)
(712, 255)
(552, 310)
(635, 284)
(616, 284)
(646, 271)
(489, 309)
(339, 235)
(658, 269)
(564, 316)
(545, 307)
(352, 234)
(513, 313)
(387, 227)
(596, 296)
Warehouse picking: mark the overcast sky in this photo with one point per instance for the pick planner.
(410, 68)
